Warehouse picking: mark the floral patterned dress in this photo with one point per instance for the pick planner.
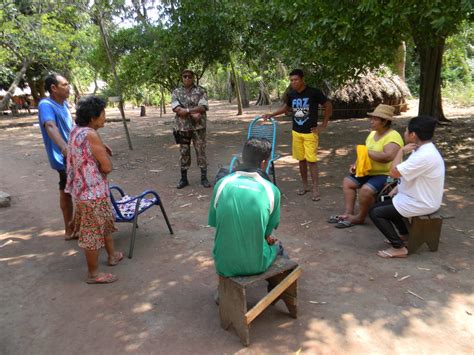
(93, 218)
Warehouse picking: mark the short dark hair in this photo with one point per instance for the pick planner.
(87, 108)
(423, 126)
(255, 151)
(386, 123)
(50, 80)
(298, 72)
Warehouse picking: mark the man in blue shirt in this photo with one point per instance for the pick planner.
(56, 123)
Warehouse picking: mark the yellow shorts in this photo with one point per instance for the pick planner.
(305, 146)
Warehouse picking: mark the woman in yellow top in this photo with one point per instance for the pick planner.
(382, 145)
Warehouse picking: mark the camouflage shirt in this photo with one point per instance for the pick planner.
(195, 96)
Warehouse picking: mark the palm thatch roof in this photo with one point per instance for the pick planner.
(358, 97)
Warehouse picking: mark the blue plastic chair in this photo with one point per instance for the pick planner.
(261, 128)
(128, 208)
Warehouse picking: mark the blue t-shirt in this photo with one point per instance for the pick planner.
(50, 110)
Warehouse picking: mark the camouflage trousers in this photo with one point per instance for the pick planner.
(198, 138)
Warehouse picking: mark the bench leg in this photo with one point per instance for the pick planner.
(290, 296)
(434, 232)
(424, 230)
(232, 308)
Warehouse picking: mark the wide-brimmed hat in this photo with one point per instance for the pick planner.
(383, 111)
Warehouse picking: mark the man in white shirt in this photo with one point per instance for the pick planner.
(421, 186)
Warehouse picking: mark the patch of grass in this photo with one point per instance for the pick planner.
(459, 94)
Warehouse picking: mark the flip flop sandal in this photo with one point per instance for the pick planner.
(102, 279)
(386, 255)
(117, 259)
(302, 192)
(316, 198)
(344, 224)
(335, 219)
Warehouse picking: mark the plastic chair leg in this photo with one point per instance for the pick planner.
(166, 218)
(132, 239)
(274, 174)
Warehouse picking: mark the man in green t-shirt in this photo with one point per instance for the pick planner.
(245, 208)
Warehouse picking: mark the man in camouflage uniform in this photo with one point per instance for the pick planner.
(189, 102)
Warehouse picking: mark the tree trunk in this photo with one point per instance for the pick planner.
(263, 96)
(237, 89)
(34, 89)
(163, 104)
(230, 88)
(243, 93)
(41, 88)
(431, 59)
(114, 71)
(6, 99)
(400, 60)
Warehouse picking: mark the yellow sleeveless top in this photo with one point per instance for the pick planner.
(377, 146)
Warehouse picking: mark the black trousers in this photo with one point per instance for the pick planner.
(385, 216)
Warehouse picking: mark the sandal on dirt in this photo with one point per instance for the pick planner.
(336, 218)
(118, 258)
(302, 192)
(387, 255)
(316, 197)
(102, 278)
(344, 224)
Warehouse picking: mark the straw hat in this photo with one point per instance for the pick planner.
(383, 111)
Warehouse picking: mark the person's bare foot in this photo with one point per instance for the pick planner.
(315, 195)
(303, 191)
(118, 256)
(355, 219)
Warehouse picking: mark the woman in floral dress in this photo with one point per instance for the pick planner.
(88, 163)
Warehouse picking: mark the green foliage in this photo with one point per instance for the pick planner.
(459, 93)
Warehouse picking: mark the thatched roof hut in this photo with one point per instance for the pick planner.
(356, 98)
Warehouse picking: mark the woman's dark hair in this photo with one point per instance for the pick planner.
(87, 108)
(298, 72)
(50, 80)
(386, 123)
(423, 126)
(255, 151)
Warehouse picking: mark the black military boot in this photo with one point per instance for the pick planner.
(184, 179)
(204, 181)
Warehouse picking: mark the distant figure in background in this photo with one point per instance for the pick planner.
(303, 103)
(189, 102)
(420, 191)
(56, 123)
(88, 164)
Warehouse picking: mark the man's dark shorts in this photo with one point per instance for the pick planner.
(62, 179)
(375, 182)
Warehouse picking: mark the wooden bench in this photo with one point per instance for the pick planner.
(425, 229)
(282, 279)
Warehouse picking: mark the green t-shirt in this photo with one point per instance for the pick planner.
(245, 208)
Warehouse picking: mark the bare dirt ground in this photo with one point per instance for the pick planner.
(350, 300)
